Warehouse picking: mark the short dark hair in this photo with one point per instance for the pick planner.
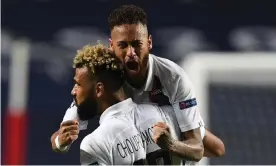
(127, 14)
(102, 64)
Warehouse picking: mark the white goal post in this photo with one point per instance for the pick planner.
(250, 68)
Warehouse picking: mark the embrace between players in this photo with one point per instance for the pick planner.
(147, 104)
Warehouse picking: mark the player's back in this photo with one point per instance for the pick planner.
(115, 142)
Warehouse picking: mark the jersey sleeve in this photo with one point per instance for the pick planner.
(72, 114)
(93, 152)
(184, 102)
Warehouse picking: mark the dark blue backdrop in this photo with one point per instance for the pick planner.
(40, 20)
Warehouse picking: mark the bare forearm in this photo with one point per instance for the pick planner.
(213, 146)
(207, 153)
(187, 150)
(190, 149)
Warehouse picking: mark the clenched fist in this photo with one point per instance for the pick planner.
(68, 132)
(162, 136)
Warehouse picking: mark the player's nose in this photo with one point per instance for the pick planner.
(131, 51)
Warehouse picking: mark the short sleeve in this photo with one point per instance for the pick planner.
(72, 114)
(184, 103)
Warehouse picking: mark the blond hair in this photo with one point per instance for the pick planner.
(97, 58)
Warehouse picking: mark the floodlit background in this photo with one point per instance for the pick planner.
(234, 74)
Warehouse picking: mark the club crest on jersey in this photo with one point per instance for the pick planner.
(187, 104)
(156, 95)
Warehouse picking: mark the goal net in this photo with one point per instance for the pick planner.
(237, 99)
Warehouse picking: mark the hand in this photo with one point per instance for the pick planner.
(68, 132)
(162, 136)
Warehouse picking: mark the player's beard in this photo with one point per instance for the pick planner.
(88, 109)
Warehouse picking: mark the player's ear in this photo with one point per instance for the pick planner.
(99, 89)
(150, 42)
(110, 44)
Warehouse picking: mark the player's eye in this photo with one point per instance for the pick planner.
(122, 45)
(76, 84)
(136, 44)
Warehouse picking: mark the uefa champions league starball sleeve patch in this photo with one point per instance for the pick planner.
(187, 103)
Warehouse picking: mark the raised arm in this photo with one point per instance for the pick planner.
(185, 105)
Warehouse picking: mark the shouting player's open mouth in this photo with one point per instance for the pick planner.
(132, 65)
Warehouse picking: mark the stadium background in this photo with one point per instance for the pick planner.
(243, 116)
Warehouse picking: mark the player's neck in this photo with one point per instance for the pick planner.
(114, 98)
